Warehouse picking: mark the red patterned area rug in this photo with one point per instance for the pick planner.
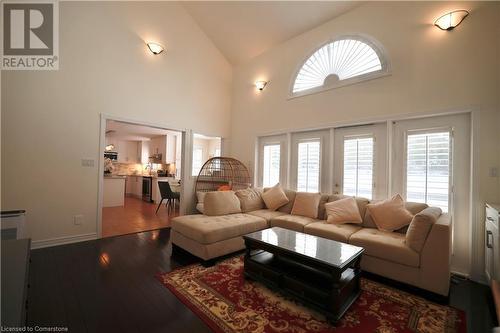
(226, 302)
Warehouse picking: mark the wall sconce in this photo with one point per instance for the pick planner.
(109, 147)
(155, 48)
(260, 85)
(450, 20)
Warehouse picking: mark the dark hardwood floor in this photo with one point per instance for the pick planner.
(109, 285)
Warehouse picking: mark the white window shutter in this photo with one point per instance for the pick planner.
(428, 169)
(358, 167)
(271, 165)
(308, 166)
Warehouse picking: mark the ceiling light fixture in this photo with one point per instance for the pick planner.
(260, 85)
(450, 20)
(155, 48)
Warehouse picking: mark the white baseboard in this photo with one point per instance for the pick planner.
(38, 244)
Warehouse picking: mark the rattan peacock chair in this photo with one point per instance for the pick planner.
(223, 173)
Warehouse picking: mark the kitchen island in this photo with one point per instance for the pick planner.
(113, 191)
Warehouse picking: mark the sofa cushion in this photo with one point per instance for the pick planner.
(221, 203)
(292, 222)
(266, 214)
(412, 207)
(343, 211)
(290, 194)
(390, 214)
(250, 199)
(306, 204)
(385, 245)
(339, 233)
(415, 207)
(210, 229)
(420, 226)
(362, 202)
(275, 197)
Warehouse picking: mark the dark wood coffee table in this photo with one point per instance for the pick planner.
(321, 273)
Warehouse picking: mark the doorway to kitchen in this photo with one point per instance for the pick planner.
(141, 179)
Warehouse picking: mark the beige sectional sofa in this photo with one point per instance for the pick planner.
(388, 254)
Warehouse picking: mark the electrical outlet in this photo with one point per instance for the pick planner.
(494, 172)
(87, 163)
(78, 219)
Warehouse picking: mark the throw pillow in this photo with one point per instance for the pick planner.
(306, 204)
(420, 227)
(221, 203)
(390, 214)
(250, 199)
(201, 196)
(275, 197)
(224, 188)
(343, 211)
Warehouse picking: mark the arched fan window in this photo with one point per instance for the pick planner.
(343, 61)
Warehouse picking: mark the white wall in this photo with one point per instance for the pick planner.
(432, 71)
(50, 119)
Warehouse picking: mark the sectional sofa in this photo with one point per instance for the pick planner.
(227, 217)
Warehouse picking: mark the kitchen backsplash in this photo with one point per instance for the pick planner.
(127, 168)
(131, 169)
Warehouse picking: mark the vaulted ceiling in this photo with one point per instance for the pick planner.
(242, 30)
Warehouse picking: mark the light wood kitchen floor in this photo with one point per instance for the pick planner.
(135, 216)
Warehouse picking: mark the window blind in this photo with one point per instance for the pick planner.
(358, 167)
(428, 169)
(308, 168)
(271, 165)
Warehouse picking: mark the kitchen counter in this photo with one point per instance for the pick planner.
(114, 177)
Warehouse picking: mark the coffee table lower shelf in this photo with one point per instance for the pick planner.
(321, 290)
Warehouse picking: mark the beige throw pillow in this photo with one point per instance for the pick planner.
(201, 196)
(420, 226)
(250, 199)
(306, 204)
(390, 214)
(221, 203)
(275, 197)
(343, 211)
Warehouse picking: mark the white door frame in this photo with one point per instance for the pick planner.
(102, 143)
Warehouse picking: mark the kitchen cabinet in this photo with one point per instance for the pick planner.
(166, 145)
(157, 145)
(131, 152)
(134, 186)
(144, 150)
(127, 150)
(113, 191)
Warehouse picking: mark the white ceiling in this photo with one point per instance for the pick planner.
(126, 131)
(242, 30)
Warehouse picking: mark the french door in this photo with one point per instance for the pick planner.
(360, 161)
(431, 164)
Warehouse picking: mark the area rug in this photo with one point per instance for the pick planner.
(227, 302)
